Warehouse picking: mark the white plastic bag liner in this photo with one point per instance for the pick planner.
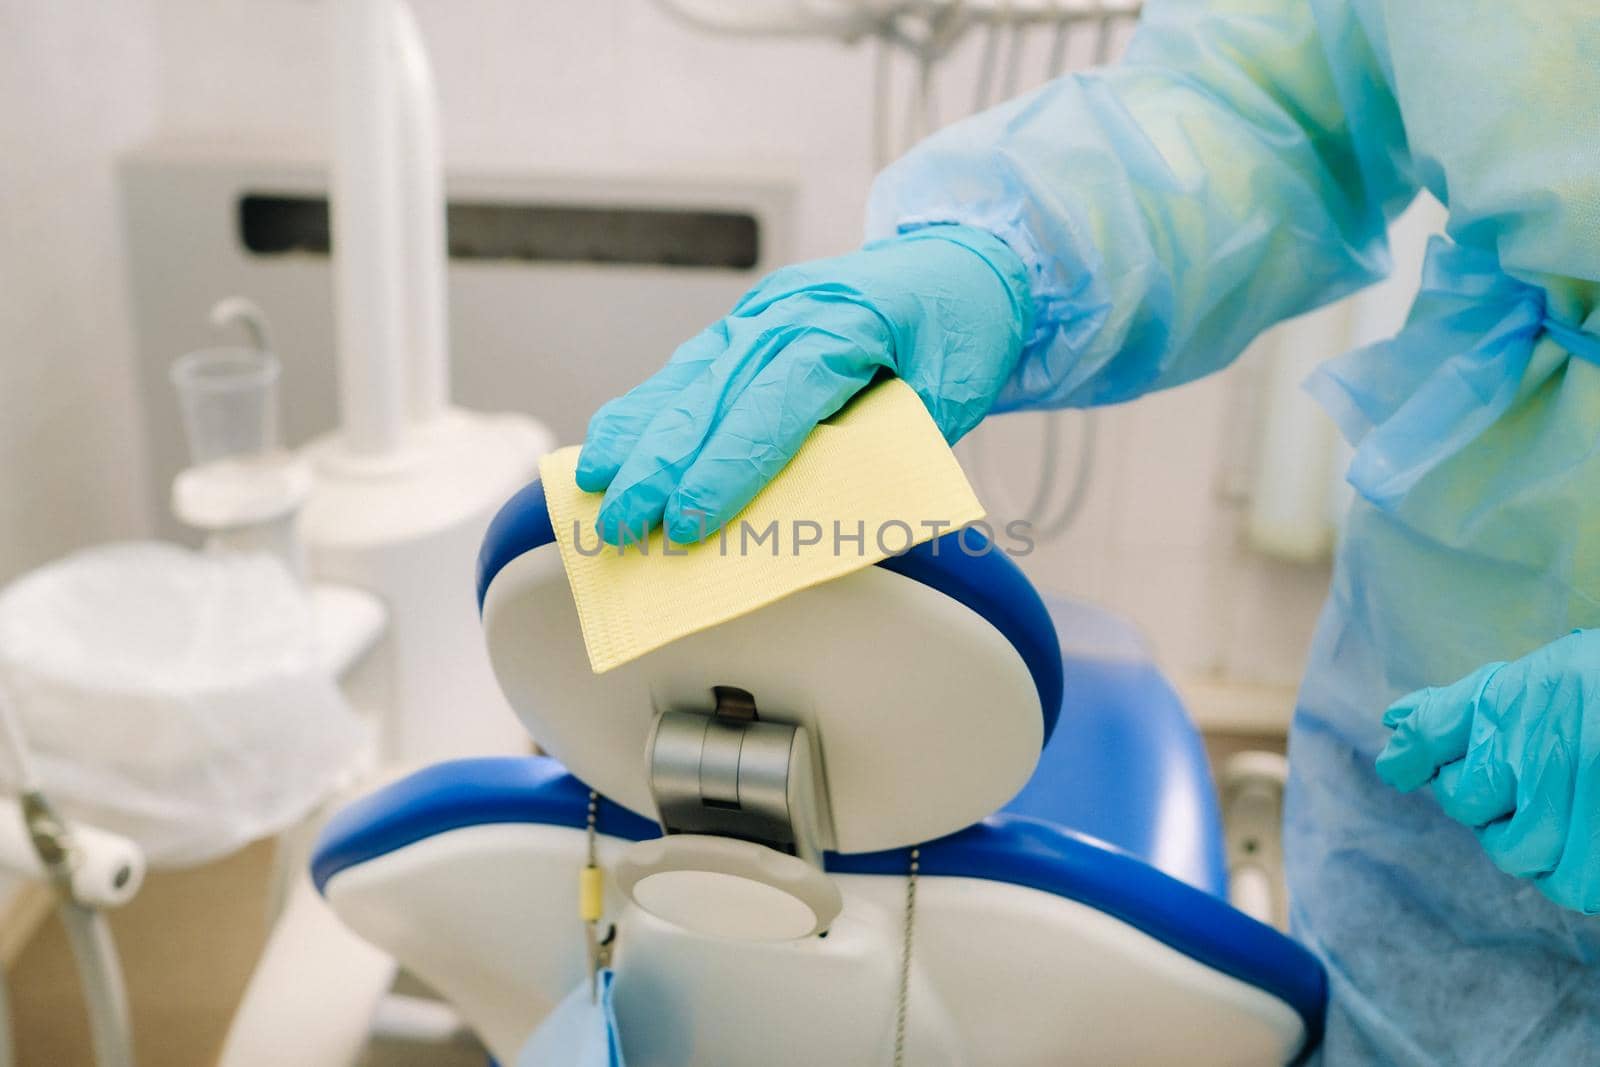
(175, 697)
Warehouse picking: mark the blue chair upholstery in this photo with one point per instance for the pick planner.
(1126, 765)
(1007, 847)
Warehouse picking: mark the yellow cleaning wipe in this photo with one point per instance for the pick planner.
(871, 482)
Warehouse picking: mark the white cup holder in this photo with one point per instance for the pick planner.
(724, 887)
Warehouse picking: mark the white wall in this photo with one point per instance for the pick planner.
(77, 81)
(551, 84)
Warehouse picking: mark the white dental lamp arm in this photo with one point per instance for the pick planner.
(366, 238)
(388, 218)
(422, 206)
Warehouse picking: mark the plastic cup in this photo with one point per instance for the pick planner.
(229, 401)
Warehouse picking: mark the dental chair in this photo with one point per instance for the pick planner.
(900, 827)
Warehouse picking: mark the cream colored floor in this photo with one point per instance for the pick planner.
(187, 943)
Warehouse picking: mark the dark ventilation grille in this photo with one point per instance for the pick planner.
(532, 233)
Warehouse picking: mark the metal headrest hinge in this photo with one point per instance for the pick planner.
(730, 774)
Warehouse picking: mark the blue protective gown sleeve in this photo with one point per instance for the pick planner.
(1237, 168)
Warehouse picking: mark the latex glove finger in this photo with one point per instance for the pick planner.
(1532, 840)
(1577, 877)
(1492, 781)
(813, 378)
(615, 428)
(1482, 786)
(1476, 792)
(1541, 735)
(1431, 727)
(1575, 882)
(671, 441)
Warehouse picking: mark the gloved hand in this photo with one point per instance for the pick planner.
(1513, 750)
(946, 308)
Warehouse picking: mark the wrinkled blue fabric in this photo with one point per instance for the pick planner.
(1512, 751)
(1404, 407)
(945, 309)
(1235, 169)
(579, 1032)
(1239, 168)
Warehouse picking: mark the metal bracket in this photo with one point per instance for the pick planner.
(729, 774)
(52, 841)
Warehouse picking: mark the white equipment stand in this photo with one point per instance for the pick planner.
(399, 501)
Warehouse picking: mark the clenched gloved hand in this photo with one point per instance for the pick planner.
(1513, 751)
(946, 308)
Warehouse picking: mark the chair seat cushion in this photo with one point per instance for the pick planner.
(1126, 765)
(1010, 848)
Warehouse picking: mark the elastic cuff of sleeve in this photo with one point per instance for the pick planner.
(1054, 288)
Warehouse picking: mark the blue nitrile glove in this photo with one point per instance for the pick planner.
(1513, 750)
(946, 308)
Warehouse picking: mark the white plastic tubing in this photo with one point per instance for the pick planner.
(104, 992)
(388, 227)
